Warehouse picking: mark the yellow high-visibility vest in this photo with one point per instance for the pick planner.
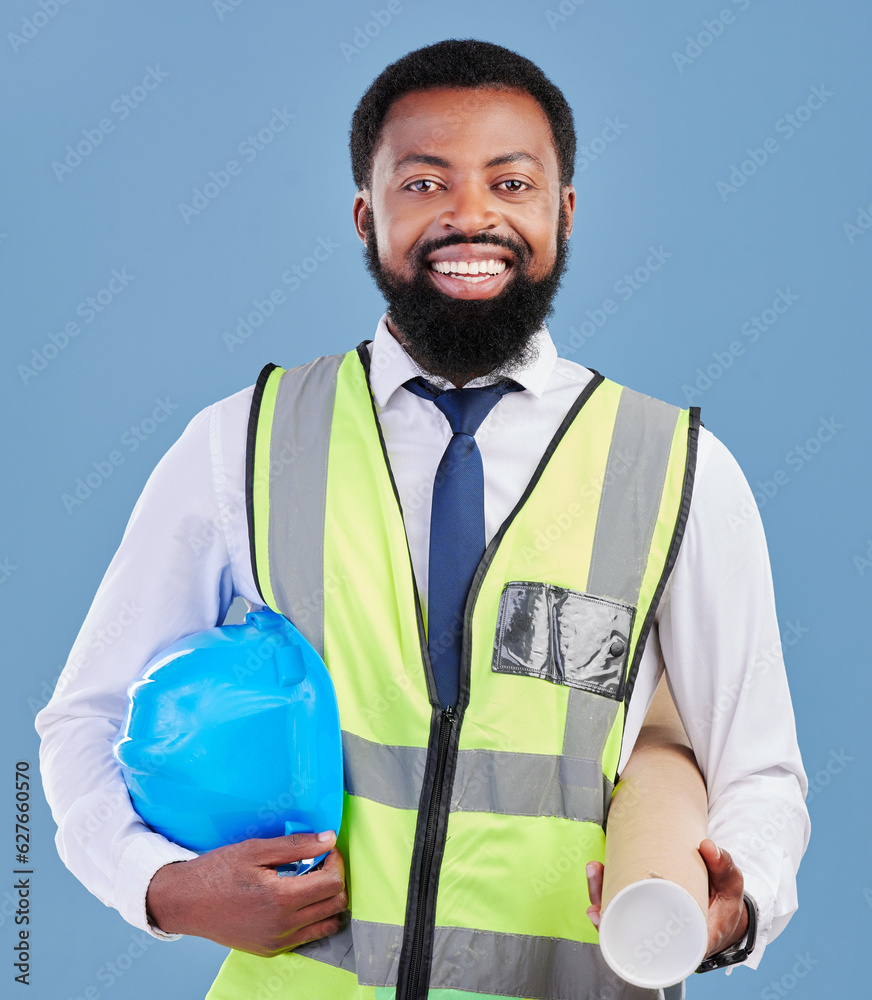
(465, 832)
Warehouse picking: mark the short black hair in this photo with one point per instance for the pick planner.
(457, 62)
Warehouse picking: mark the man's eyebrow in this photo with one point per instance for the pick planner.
(437, 161)
(516, 157)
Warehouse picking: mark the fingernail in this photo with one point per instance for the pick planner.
(591, 870)
(325, 836)
(718, 850)
(594, 919)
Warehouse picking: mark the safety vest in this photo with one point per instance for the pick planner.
(465, 832)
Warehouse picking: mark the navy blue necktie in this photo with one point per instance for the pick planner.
(456, 524)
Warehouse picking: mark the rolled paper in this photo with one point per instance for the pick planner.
(654, 924)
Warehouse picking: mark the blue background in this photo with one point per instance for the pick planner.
(221, 73)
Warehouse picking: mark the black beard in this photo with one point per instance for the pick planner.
(462, 339)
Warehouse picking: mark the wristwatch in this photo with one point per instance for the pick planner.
(739, 950)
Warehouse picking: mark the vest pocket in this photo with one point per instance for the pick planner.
(563, 636)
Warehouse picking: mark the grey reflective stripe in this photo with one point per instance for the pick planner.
(589, 720)
(336, 949)
(489, 781)
(387, 774)
(487, 962)
(527, 784)
(298, 492)
(630, 499)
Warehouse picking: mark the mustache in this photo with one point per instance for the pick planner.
(521, 251)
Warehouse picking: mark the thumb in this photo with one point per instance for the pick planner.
(723, 874)
(273, 851)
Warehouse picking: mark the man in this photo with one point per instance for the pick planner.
(493, 665)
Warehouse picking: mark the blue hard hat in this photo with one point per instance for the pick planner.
(234, 733)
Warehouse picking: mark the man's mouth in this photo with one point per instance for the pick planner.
(469, 272)
(472, 271)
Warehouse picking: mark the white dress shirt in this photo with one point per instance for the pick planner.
(184, 557)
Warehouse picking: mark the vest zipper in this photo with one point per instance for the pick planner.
(419, 925)
(446, 721)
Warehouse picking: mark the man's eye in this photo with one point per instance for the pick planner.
(520, 185)
(424, 180)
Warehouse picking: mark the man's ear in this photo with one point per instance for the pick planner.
(567, 206)
(361, 210)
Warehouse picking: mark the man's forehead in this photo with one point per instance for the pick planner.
(494, 125)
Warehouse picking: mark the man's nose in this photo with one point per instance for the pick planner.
(469, 209)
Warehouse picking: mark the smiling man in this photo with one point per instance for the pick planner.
(497, 551)
(467, 248)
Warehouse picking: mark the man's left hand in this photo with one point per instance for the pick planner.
(727, 916)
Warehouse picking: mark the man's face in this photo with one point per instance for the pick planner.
(466, 181)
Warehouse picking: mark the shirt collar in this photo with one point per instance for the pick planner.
(391, 366)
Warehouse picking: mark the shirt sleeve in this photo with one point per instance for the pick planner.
(721, 647)
(171, 576)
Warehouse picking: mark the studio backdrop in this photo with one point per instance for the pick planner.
(176, 212)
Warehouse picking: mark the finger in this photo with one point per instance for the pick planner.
(313, 932)
(322, 910)
(303, 890)
(594, 872)
(274, 851)
(334, 865)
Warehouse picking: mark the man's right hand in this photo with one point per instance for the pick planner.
(234, 896)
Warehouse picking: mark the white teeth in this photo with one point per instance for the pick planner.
(470, 267)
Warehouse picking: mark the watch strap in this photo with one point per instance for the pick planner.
(739, 950)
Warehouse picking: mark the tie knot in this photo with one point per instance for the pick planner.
(464, 409)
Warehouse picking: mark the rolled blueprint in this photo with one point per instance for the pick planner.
(654, 924)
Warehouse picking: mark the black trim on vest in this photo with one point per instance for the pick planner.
(487, 558)
(253, 416)
(416, 950)
(671, 556)
(363, 354)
